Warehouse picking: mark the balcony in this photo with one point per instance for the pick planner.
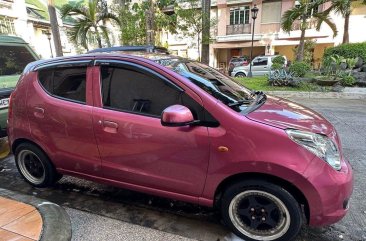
(238, 29)
(311, 24)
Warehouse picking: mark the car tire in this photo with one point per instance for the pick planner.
(260, 210)
(240, 75)
(34, 166)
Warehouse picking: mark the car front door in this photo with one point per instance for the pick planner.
(260, 66)
(134, 147)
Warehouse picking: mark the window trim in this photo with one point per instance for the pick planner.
(63, 64)
(121, 63)
(57, 66)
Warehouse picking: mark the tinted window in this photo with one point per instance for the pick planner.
(68, 83)
(13, 59)
(260, 61)
(128, 89)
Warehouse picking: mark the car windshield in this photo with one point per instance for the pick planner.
(212, 81)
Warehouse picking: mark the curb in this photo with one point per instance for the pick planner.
(318, 95)
(56, 222)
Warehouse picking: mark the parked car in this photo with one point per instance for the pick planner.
(179, 129)
(260, 66)
(237, 61)
(15, 54)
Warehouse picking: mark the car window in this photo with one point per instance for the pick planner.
(260, 61)
(210, 80)
(13, 59)
(131, 90)
(68, 83)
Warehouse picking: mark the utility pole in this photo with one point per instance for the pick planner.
(205, 50)
(54, 28)
(150, 22)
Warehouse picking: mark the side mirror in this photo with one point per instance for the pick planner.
(177, 115)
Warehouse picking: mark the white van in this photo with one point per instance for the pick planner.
(261, 65)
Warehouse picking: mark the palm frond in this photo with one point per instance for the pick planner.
(324, 17)
(73, 9)
(105, 34)
(289, 17)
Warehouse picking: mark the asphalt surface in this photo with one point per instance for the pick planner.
(101, 212)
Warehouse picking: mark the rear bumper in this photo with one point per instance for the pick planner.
(334, 189)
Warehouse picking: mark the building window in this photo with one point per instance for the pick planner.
(6, 26)
(271, 12)
(239, 15)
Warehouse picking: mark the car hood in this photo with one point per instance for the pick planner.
(285, 114)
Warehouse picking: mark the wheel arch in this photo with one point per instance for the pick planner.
(288, 186)
(241, 72)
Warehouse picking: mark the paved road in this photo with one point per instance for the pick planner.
(100, 212)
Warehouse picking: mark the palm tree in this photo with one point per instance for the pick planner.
(304, 12)
(344, 8)
(89, 20)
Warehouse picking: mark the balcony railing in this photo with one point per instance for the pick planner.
(238, 29)
(311, 24)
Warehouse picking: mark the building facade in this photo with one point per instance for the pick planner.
(29, 20)
(233, 32)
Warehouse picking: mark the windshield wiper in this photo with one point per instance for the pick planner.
(260, 97)
(240, 102)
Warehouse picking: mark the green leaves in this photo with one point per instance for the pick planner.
(89, 21)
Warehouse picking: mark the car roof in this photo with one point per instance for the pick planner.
(141, 55)
(11, 39)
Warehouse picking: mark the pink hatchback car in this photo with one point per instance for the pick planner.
(176, 128)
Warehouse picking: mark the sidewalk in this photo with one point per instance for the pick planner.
(350, 93)
(19, 221)
(27, 218)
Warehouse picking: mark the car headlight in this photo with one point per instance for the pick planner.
(318, 144)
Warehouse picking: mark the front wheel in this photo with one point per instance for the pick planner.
(240, 75)
(260, 210)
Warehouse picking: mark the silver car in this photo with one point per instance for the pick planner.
(260, 66)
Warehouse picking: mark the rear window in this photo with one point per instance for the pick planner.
(67, 83)
(13, 59)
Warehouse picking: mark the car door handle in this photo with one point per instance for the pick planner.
(109, 126)
(38, 112)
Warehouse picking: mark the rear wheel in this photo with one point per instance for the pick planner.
(240, 75)
(34, 166)
(260, 210)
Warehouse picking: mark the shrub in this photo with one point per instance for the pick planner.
(279, 60)
(276, 66)
(299, 69)
(348, 80)
(352, 50)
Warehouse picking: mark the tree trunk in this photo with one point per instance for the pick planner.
(300, 48)
(54, 28)
(150, 33)
(99, 39)
(346, 27)
(206, 8)
(198, 47)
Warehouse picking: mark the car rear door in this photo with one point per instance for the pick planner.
(135, 148)
(60, 116)
(260, 66)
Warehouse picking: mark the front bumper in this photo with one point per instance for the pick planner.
(333, 191)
